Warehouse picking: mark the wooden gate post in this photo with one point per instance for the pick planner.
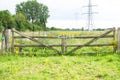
(12, 41)
(1, 50)
(7, 33)
(63, 44)
(114, 40)
(2, 42)
(118, 36)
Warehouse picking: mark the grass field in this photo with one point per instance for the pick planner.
(60, 67)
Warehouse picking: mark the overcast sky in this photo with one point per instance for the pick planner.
(69, 13)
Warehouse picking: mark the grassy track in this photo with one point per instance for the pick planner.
(60, 67)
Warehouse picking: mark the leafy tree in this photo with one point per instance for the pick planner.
(43, 15)
(36, 13)
(21, 21)
(6, 20)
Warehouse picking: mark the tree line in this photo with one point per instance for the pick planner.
(30, 15)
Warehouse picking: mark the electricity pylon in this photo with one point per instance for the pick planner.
(90, 15)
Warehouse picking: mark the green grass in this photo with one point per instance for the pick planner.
(60, 67)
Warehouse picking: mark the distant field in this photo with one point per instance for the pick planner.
(104, 66)
(59, 33)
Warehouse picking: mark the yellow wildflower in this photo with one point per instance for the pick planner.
(46, 61)
(30, 55)
(16, 51)
(115, 44)
(96, 48)
(17, 43)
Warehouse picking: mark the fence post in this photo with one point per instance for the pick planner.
(118, 36)
(114, 40)
(7, 39)
(2, 42)
(63, 44)
(1, 51)
(12, 41)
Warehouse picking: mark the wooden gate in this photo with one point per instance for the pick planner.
(64, 46)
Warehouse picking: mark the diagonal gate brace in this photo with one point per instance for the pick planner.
(89, 42)
(30, 38)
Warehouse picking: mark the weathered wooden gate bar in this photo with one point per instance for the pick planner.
(59, 45)
(76, 37)
(36, 41)
(89, 42)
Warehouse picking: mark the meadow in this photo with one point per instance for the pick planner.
(105, 66)
(44, 64)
